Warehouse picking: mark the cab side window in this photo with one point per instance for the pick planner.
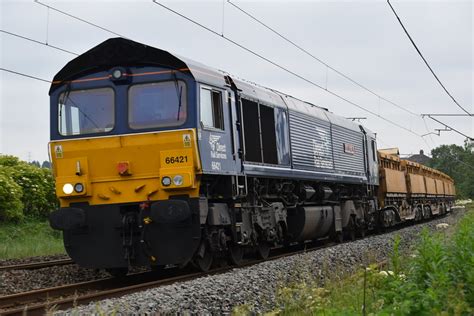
(374, 156)
(211, 109)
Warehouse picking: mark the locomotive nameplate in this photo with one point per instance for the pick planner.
(349, 148)
(176, 158)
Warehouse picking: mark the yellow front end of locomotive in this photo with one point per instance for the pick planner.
(127, 168)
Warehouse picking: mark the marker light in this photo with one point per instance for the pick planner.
(178, 180)
(166, 181)
(68, 188)
(78, 187)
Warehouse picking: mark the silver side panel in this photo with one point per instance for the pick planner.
(311, 144)
(345, 160)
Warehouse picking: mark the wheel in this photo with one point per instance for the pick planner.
(117, 272)
(352, 234)
(236, 254)
(339, 237)
(204, 262)
(263, 250)
(351, 229)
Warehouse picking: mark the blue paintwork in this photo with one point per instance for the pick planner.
(121, 98)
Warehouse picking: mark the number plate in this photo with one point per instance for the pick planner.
(176, 158)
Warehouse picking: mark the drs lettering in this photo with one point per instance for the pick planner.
(177, 159)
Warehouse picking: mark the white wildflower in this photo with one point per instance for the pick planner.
(442, 226)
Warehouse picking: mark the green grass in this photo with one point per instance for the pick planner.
(436, 279)
(29, 238)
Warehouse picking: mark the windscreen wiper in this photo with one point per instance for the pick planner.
(67, 98)
(179, 92)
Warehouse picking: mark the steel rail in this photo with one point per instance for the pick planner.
(37, 265)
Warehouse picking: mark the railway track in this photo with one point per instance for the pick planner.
(36, 265)
(39, 302)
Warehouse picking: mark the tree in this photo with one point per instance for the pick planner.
(46, 164)
(457, 162)
(35, 163)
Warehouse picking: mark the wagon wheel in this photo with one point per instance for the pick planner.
(236, 254)
(263, 250)
(427, 212)
(117, 272)
(418, 213)
(204, 261)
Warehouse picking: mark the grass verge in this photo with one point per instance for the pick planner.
(436, 279)
(29, 238)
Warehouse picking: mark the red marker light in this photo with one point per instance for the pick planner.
(123, 168)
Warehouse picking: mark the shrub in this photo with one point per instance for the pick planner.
(37, 186)
(11, 208)
(9, 161)
(38, 189)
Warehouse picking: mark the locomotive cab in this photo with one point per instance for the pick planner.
(125, 158)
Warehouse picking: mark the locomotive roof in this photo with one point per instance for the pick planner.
(125, 52)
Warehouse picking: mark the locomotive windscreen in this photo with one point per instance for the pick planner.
(86, 111)
(159, 104)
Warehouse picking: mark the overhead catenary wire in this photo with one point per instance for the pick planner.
(24, 75)
(39, 42)
(283, 68)
(79, 19)
(222, 35)
(334, 94)
(425, 61)
(299, 47)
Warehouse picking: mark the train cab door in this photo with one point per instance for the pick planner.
(217, 132)
(370, 154)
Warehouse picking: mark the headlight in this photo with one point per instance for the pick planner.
(68, 188)
(117, 74)
(178, 180)
(166, 181)
(78, 187)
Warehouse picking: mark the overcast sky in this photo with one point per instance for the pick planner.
(360, 38)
